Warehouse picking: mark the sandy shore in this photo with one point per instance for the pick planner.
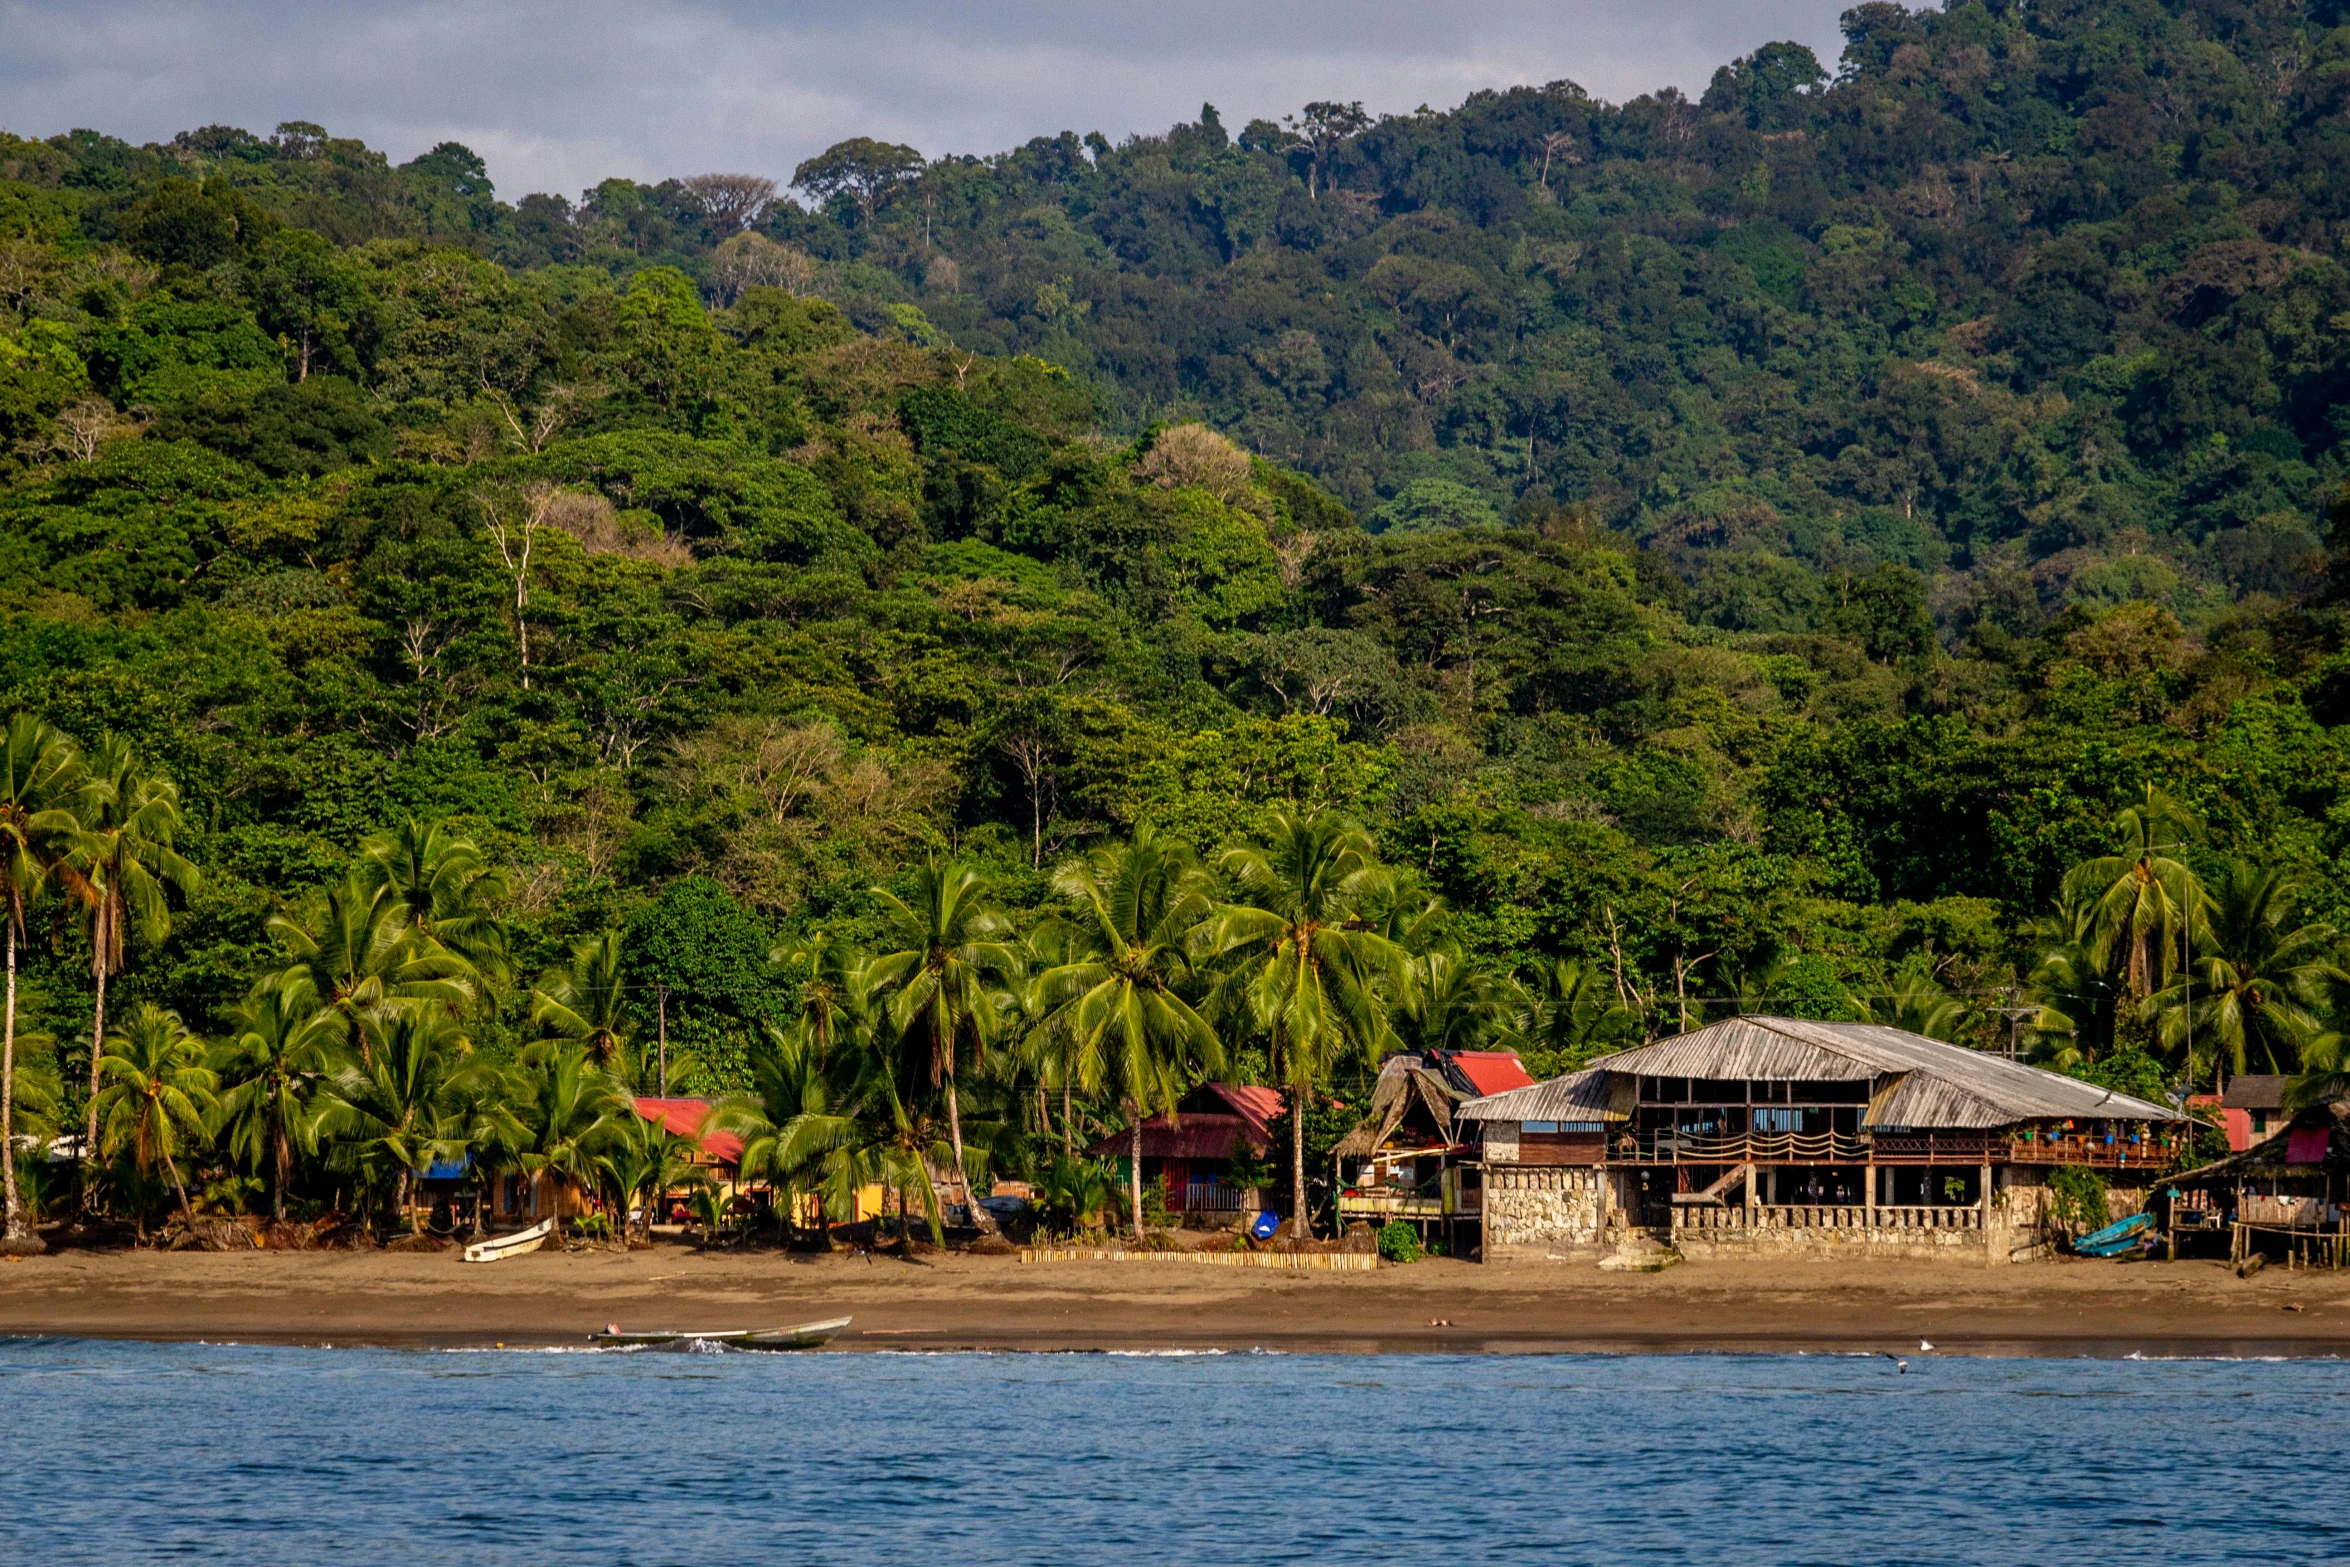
(957, 1302)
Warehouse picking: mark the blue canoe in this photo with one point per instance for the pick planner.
(2116, 1238)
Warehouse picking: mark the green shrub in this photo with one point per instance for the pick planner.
(2079, 1198)
(1399, 1242)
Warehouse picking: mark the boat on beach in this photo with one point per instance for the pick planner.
(514, 1245)
(806, 1335)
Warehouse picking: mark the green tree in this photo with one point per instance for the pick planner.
(642, 1159)
(1129, 1026)
(1569, 1014)
(585, 1004)
(353, 943)
(42, 787)
(1446, 1002)
(2142, 896)
(156, 1096)
(569, 1112)
(122, 862)
(864, 171)
(1302, 965)
(446, 891)
(280, 1047)
(2259, 980)
(396, 1108)
(949, 940)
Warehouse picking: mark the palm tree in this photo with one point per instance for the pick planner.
(397, 1107)
(1128, 1025)
(42, 783)
(280, 1049)
(868, 1132)
(2257, 975)
(1916, 1003)
(949, 941)
(354, 944)
(1448, 1003)
(1304, 965)
(155, 1094)
(1567, 1012)
(831, 983)
(121, 864)
(569, 1112)
(586, 1004)
(642, 1159)
(790, 1079)
(2141, 896)
(447, 890)
(2077, 993)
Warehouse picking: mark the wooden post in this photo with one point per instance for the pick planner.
(1868, 1195)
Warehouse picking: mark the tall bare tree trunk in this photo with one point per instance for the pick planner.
(97, 1054)
(981, 1219)
(1134, 1164)
(1068, 1149)
(1301, 1225)
(284, 1162)
(187, 1209)
(18, 1235)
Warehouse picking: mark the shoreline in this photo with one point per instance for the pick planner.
(953, 1303)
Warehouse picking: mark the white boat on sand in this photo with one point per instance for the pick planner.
(807, 1335)
(514, 1245)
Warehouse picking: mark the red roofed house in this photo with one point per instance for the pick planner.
(1193, 1149)
(723, 1150)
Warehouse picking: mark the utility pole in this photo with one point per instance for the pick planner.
(662, 1012)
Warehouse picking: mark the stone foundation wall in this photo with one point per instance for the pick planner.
(1538, 1211)
(1538, 1208)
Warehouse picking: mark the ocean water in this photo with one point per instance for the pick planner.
(115, 1452)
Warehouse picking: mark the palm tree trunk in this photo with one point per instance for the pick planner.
(1300, 1225)
(97, 1052)
(187, 1209)
(277, 1189)
(1134, 1165)
(981, 1219)
(400, 1195)
(1068, 1150)
(16, 1229)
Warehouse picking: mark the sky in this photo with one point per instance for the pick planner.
(558, 94)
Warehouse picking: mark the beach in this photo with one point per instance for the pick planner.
(957, 1302)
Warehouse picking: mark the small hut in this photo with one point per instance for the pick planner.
(2287, 1193)
(1412, 1157)
(1192, 1150)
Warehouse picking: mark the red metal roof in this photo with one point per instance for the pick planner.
(1202, 1134)
(685, 1117)
(1492, 1071)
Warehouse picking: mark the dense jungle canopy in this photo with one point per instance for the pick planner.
(1748, 546)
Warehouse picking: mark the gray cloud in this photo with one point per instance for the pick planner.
(558, 95)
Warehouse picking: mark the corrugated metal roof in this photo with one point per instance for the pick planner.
(1201, 1136)
(2255, 1092)
(1939, 1084)
(685, 1118)
(1489, 1071)
(1578, 1096)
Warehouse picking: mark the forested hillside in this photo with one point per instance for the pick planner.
(1749, 548)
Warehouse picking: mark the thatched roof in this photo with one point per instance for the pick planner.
(1403, 1081)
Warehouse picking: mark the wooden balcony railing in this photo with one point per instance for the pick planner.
(1836, 1216)
(2153, 1150)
